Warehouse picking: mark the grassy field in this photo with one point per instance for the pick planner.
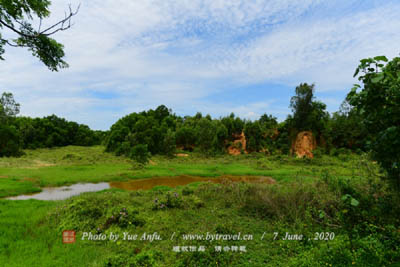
(344, 195)
(68, 165)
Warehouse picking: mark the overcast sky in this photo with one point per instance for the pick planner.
(211, 56)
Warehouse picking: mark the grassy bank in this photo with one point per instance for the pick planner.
(345, 198)
(31, 230)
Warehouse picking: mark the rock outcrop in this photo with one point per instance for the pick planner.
(304, 144)
(239, 145)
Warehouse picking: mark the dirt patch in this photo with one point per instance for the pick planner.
(268, 180)
(304, 144)
(239, 145)
(152, 163)
(36, 164)
(182, 155)
(40, 163)
(3, 177)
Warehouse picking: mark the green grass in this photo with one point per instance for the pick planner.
(306, 199)
(14, 187)
(26, 240)
(68, 165)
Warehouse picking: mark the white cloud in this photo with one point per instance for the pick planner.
(179, 53)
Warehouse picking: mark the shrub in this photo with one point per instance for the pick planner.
(378, 103)
(10, 141)
(170, 201)
(290, 202)
(140, 154)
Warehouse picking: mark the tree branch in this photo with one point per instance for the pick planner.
(13, 45)
(13, 29)
(62, 22)
(33, 34)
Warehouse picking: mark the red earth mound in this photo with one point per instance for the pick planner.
(304, 144)
(239, 144)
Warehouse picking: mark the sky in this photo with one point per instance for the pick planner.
(209, 56)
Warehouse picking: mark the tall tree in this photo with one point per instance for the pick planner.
(10, 141)
(8, 107)
(17, 16)
(307, 113)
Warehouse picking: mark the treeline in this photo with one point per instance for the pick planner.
(17, 133)
(160, 131)
(53, 131)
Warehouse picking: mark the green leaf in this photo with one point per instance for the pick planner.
(381, 58)
(378, 78)
(357, 71)
(321, 214)
(354, 202)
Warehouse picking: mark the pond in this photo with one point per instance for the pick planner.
(64, 192)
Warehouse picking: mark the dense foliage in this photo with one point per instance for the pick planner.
(139, 133)
(53, 131)
(346, 130)
(18, 133)
(10, 142)
(378, 105)
(308, 114)
(162, 132)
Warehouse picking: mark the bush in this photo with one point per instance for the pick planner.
(10, 142)
(97, 213)
(170, 201)
(290, 202)
(378, 103)
(140, 154)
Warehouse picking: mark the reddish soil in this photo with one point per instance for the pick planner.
(304, 144)
(239, 144)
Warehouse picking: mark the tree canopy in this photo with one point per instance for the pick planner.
(378, 104)
(10, 140)
(17, 16)
(8, 107)
(17, 133)
(308, 114)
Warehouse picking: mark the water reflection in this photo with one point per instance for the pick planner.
(64, 192)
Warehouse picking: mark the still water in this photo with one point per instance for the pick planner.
(59, 193)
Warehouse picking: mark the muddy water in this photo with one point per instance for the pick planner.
(59, 193)
(146, 184)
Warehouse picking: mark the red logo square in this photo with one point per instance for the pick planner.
(68, 236)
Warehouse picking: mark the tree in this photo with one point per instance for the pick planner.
(17, 16)
(140, 154)
(254, 136)
(346, 130)
(378, 104)
(10, 141)
(8, 107)
(307, 113)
